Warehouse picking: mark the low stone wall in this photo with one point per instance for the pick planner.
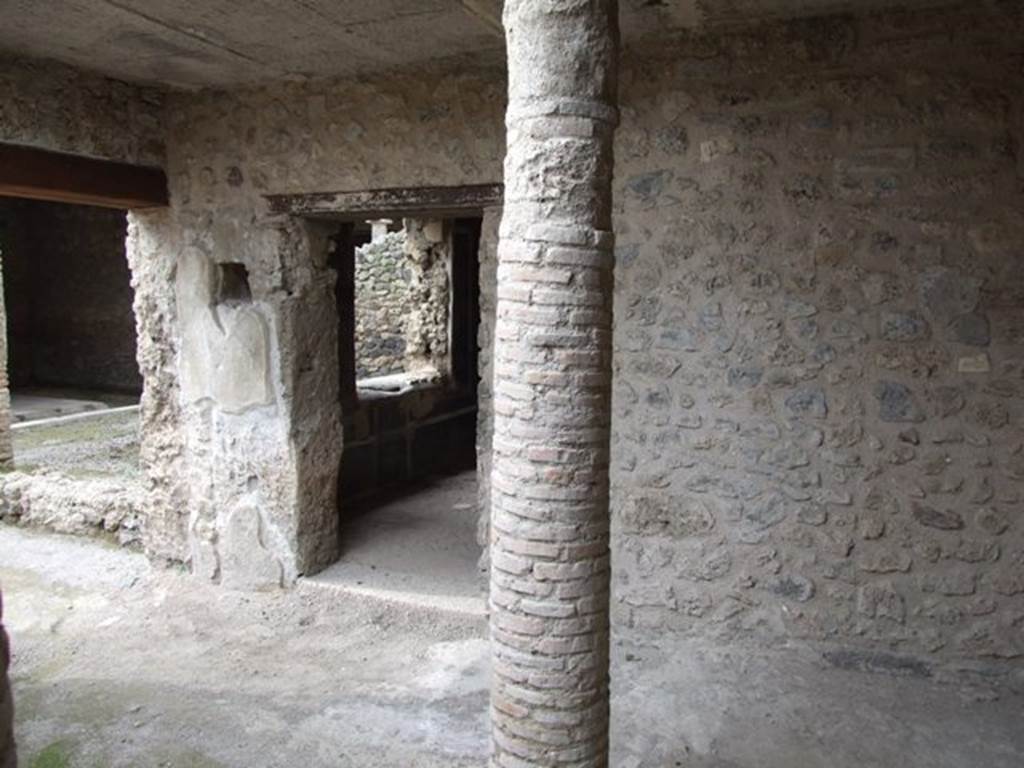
(73, 505)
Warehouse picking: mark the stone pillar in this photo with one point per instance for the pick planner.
(428, 258)
(379, 229)
(549, 539)
(8, 758)
(6, 449)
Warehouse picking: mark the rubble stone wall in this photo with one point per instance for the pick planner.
(76, 505)
(817, 310)
(382, 303)
(240, 468)
(820, 336)
(55, 107)
(402, 298)
(818, 427)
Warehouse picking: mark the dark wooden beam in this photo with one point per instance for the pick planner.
(41, 175)
(390, 203)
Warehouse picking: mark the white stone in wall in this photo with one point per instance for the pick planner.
(224, 347)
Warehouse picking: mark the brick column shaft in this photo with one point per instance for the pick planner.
(549, 534)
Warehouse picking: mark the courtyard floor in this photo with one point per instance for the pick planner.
(101, 443)
(120, 664)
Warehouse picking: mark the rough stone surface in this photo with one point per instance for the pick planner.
(552, 381)
(225, 152)
(53, 500)
(56, 107)
(267, 445)
(151, 249)
(818, 344)
(77, 476)
(403, 297)
(426, 327)
(382, 302)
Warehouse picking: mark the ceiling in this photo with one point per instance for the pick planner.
(224, 43)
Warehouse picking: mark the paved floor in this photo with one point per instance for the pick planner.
(119, 665)
(418, 548)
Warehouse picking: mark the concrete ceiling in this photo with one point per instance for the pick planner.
(224, 43)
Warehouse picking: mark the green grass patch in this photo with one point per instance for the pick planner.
(56, 755)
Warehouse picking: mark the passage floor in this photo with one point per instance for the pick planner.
(419, 548)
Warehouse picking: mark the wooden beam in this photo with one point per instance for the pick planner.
(390, 203)
(41, 175)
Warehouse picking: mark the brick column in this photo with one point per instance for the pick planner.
(8, 758)
(549, 540)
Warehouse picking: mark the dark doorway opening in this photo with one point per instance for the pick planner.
(70, 324)
(70, 338)
(408, 494)
(418, 419)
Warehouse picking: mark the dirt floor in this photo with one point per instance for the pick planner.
(94, 445)
(117, 664)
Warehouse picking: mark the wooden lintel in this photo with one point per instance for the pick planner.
(390, 203)
(41, 175)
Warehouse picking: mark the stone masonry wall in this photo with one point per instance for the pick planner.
(243, 467)
(152, 247)
(820, 337)
(403, 292)
(797, 215)
(818, 444)
(428, 249)
(382, 302)
(52, 106)
(74, 299)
